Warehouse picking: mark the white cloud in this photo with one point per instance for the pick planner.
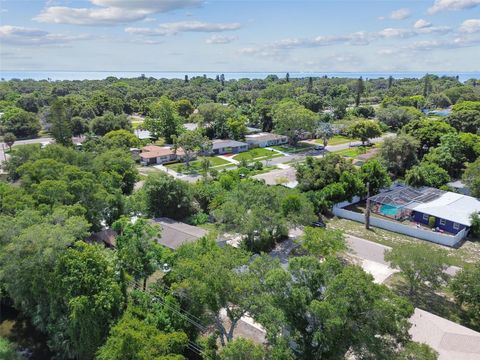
(421, 24)
(396, 33)
(458, 42)
(183, 26)
(19, 35)
(470, 26)
(448, 5)
(399, 14)
(112, 12)
(220, 39)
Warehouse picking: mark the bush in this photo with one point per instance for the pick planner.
(198, 219)
(431, 221)
(258, 165)
(475, 225)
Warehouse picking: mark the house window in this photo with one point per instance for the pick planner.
(456, 226)
(425, 217)
(443, 221)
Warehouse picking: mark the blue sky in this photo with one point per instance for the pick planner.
(240, 35)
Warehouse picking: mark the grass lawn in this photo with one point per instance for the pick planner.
(469, 252)
(300, 147)
(196, 165)
(256, 154)
(337, 140)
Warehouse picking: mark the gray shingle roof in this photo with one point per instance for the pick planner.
(175, 233)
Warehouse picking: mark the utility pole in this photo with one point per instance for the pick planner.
(367, 210)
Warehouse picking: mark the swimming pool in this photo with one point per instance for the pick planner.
(389, 210)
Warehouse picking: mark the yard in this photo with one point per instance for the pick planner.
(299, 148)
(356, 151)
(469, 252)
(337, 140)
(256, 154)
(196, 165)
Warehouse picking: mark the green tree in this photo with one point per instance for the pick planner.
(422, 266)
(60, 123)
(118, 168)
(375, 176)
(427, 174)
(184, 108)
(316, 173)
(8, 351)
(364, 130)
(312, 102)
(328, 309)
(323, 242)
(21, 123)
(138, 250)
(85, 287)
(241, 349)
(137, 339)
(191, 143)
(475, 225)
(399, 153)
(293, 120)
(471, 177)
(467, 120)
(450, 154)
(324, 131)
(163, 120)
(360, 89)
(102, 125)
(123, 139)
(163, 195)
(202, 266)
(397, 117)
(466, 289)
(9, 139)
(428, 132)
(237, 127)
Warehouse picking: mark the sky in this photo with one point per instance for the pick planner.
(240, 35)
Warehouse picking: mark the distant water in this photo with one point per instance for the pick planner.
(98, 75)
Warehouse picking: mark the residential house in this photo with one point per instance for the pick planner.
(444, 211)
(153, 154)
(175, 233)
(459, 187)
(220, 147)
(265, 139)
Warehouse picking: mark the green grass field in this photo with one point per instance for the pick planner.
(196, 165)
(299, 148)
(256, 154)
(337, 140)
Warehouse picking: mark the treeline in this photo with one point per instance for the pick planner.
(94, 105)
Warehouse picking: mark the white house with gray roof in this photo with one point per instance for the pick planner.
(220, 147)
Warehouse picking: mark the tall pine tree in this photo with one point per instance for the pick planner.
(60, 128)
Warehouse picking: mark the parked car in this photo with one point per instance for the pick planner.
(319, 147)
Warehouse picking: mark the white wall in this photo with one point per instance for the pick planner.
(394, 226)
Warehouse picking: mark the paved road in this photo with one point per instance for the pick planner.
(329, 148)
(21, 142)
(374, 252)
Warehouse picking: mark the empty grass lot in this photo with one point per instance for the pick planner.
(469, 252)
(196, 165)
(256, 154)
(337, 140)
(299, 148)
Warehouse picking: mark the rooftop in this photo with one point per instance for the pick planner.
(153, 151)
(218, 144)
(451, 206)
(451, 340)
(442, 204)
(175, 233)
(264, 136)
